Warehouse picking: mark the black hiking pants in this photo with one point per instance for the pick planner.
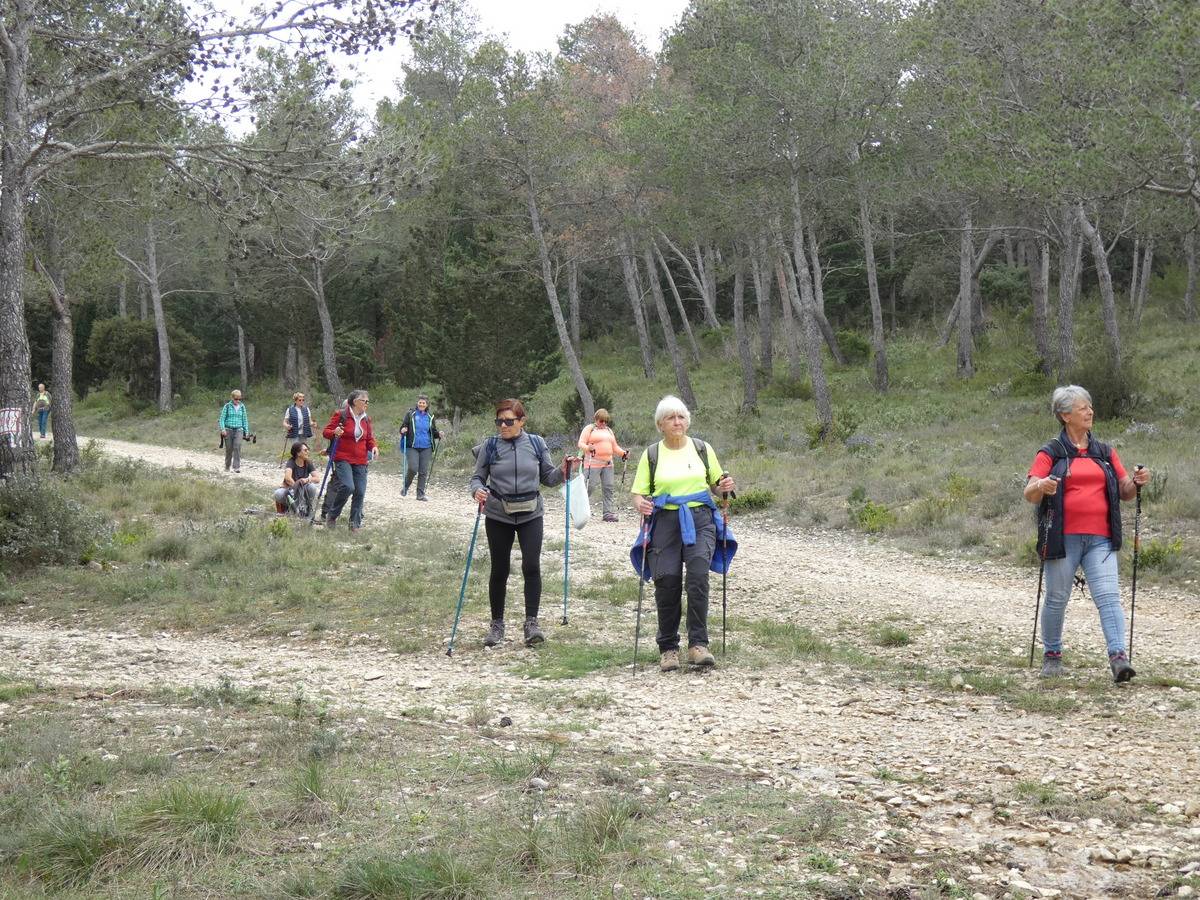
(500, 541)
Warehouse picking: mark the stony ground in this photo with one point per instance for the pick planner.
(1099, 796)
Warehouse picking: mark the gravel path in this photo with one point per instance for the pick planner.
(931, 770)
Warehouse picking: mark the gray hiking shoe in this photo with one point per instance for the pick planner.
(495, 634)
(1121, 669)
(533, 634)
(1052, 666)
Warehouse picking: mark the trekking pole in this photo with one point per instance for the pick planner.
(312, 513)
(404, 461)
(1037, 606)
(1137, 548)
(283, 454)
(725, 564)
(462, 592)
(567, 546)
(637, 629)
(432, 460)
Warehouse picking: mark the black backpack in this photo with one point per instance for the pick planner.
(539, 447)
(652, 459)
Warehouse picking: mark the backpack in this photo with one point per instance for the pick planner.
(652, 459)
(539, 447)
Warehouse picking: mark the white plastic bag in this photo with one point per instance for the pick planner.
(581, 508)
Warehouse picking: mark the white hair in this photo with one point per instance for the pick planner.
(667, 406)
(1064, 399)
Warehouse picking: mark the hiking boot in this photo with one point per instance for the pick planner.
(331, 523)
(610, 517)
(495, 634)
(700, 658)
(1121, 669)
(280, 509)
(1052, 666)
(669, 661)
(422, 498)
(533, 634)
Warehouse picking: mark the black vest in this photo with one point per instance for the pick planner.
(1051, 543)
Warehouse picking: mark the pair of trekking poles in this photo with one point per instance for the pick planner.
(1137, 549)
(404, 459)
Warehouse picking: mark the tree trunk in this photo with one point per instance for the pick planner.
(687, 325)
(807, 297)
(560, 324)
(877, 339)
(1133, 274)
(966, 256)
(1108, 301)
(1189, 292)
(892, 272)
(143, 302)
(328, 355)
(682, 382)
(629, 269)
(697, 279)
(790, 343)
(165, 392)
(762, 296)
(303, 371)
(1067, 279)
(62, 390)
(1010, 259)
(17, 453)
(243, 369)
(1144, 287)
(977, 313)
(253, 360)
(291, 376)
(122, 302)
(742, 335)
(816, 365)
(1039, 289)
(814, 253)
(707, 260)
(573, 301)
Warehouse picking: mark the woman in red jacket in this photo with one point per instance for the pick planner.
(351, 426)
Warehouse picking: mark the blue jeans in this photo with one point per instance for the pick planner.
(351, 481)
(1099, 562)
(43, 415)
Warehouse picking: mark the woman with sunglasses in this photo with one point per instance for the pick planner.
(509, 471)
(355, 449)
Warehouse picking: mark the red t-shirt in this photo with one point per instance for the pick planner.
(1085, 505)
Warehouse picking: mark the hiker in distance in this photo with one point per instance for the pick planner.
(351, 427)
(1079, 483)
(684, 522)
(234, 423)
(41, 406)
(300, 480)
(599, 443)
(297, 419)
(510, 469)
(418, 432)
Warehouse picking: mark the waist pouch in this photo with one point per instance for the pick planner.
(519, 503)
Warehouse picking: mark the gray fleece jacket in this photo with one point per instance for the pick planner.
(516, 471)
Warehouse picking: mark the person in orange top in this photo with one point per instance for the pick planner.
(600, 447)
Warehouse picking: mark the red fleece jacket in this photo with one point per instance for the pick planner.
(348, 449)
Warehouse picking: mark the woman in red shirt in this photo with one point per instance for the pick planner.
(1079, 483)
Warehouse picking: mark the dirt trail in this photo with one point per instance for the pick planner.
(931, 771)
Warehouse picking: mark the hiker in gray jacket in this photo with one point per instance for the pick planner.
(509, 471)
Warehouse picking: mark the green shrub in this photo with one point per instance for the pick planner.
(868, 515)
(41, 527)
(845, 423)
(752, 499)
(789, 389)
(71, 848)
(168, 548)
(187, 824)
(1115, 390)
(572, 407)
(855, 347)
(1162, 555)
(125, 350)
(429, 874)
(1004, 286)
(888, 635)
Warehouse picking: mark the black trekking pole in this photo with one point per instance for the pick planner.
(283, 454)
(725, 565)
(1137, 548)
(462, 592)
(1037, 606)
(637, 630)
(312, 514)
(432, 460)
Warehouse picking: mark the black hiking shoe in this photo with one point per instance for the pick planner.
(1122, 671)
(495, 634)
(533, 634)
(1052, 666)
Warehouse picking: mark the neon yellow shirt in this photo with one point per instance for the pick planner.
(678, 472)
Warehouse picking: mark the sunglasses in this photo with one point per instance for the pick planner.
(507, 423)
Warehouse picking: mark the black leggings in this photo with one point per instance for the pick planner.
(500, 540)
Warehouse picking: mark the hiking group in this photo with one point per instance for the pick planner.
(1076, 481)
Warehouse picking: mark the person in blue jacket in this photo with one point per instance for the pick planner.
(418, 433)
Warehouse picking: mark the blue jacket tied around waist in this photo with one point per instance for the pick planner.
(726, 543)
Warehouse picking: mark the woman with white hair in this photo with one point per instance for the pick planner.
(673, 488)
(1079, 483)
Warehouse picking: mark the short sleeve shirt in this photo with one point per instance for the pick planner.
(679, 472)
(299, 471)
(1085, 504)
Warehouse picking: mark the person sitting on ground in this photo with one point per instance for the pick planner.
(509, 470)
(418, 432)
(300, 480)
(684, 522)
(297, 419)
(235, 425)
(1079, 483)
(355, 449)
(600, 445)
(41, 406)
